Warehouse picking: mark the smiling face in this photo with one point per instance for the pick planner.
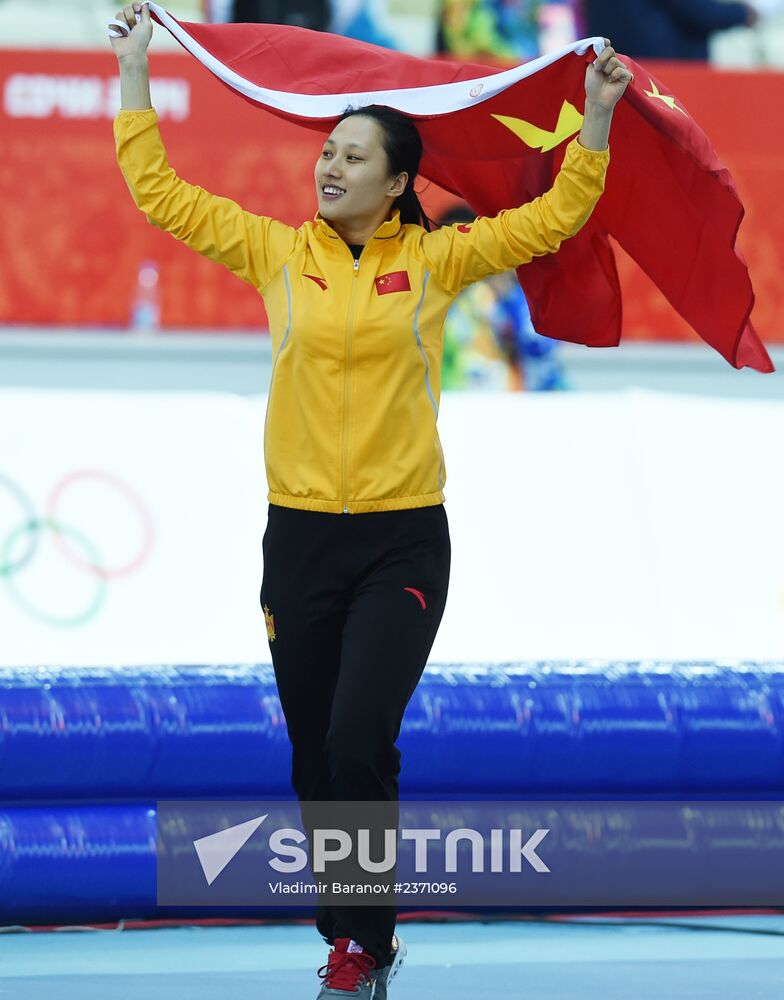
(353, 160)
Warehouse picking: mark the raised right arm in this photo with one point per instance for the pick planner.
(131, 52)
(254, 247)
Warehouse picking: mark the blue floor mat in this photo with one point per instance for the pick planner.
(682, 958)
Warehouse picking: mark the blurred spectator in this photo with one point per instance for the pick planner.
(580, 21)
(302, 13)
(517, 30)
(664, 29)
(489, 340)
(359, 20)
(402, 25)
(469, 28)
(217, 11)
(557, 26)
(748, 47)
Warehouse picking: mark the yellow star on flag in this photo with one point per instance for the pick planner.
(569, 121)
(669, 101)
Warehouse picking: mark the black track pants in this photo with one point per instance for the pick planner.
(353, 603)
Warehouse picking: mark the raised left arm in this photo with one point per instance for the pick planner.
(460, 255)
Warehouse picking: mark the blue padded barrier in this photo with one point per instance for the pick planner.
(90, 863)
(141, 732)
(108, 742)
(97, 863)
(516, 729)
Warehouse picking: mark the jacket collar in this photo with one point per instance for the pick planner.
(385, 231)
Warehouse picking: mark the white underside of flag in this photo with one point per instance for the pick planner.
(439, 99)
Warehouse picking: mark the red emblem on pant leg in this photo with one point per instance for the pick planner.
(418, 594)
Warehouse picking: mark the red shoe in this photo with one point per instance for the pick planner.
(348, 972)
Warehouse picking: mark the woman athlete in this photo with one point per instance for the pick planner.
(356, 548)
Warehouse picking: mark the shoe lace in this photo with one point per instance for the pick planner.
(347, 970)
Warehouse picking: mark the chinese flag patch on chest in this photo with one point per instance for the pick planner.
(395, 281)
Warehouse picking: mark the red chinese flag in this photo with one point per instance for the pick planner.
(498, 140)
(395, 281)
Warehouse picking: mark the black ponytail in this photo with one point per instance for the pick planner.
(403, 145)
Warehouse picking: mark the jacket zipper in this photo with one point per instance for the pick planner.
(345, 391)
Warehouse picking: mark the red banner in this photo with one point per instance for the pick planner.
(72, 239)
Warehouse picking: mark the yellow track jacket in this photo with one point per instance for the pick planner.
(356, 345)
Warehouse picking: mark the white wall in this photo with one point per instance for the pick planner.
(629, 525)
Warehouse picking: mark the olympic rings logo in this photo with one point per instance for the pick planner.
(20, 545)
